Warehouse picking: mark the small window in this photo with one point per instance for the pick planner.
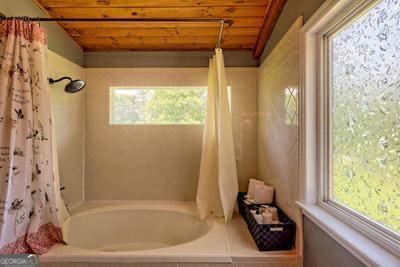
(363, 163)
(291, 106)
(157, 105)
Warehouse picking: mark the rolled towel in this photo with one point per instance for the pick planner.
(274, 212)
(263, 194)
(267, 217)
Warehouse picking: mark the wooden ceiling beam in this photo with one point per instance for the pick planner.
(158, 12)
(140, 47)
(181, 40)
(272, 15)
(159, 32)
(237, 23)
(147, 3)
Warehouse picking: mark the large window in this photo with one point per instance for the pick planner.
(362, 70)
(157, 105)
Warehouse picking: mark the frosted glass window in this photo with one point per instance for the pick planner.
(157, 105)
(365, 114)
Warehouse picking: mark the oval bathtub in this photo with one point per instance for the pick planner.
(132, 229)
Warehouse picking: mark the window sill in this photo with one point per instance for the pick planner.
(357, 244)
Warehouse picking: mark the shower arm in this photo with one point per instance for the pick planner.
(198, 20)
(221, 30)
(52, 81)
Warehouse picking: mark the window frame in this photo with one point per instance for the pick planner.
(315, 124)
(111, 105)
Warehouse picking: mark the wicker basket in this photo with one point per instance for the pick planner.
(268, 236)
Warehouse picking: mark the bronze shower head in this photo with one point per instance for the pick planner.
(72, 87)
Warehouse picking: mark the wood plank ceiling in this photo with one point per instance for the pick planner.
(253, 21)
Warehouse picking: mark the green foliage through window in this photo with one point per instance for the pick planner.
(158, 106)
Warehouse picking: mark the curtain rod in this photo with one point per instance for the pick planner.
(198, 20)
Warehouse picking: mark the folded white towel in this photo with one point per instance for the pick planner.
(259, 218)
(252, 183)
(263, 194)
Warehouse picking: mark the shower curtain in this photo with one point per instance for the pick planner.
(30, 200)
(217, 188)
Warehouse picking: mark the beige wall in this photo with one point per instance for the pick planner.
(69, 121)
(278, 139)
(159, 162)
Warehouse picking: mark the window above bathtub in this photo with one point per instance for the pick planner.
(157, 105)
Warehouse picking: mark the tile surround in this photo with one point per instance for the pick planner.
(159, 162)
(278, 139)
(69, 112)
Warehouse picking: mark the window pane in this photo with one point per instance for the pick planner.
(365, 83)
(291, 98)
(158, 106)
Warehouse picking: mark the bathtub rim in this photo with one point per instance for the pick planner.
(106, 206)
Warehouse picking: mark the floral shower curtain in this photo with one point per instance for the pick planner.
(29, 197)
(218, 186)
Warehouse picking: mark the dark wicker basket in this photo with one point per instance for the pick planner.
(268, 236)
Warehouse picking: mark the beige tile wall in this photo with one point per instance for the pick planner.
(69, 114)
(277, 138)
(159, 162)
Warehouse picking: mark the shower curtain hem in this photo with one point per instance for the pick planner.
(38, 242)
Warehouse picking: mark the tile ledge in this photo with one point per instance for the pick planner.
(357, 244)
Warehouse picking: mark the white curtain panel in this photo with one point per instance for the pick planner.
(30, 200)
(218, 186)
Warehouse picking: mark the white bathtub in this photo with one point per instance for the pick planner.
(156, 232)
(140, 231)
(133, 229)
